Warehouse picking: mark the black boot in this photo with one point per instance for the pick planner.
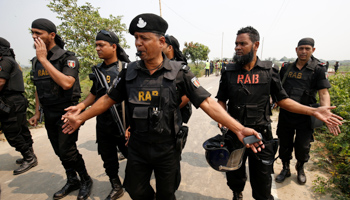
(86, 185)
(237, 196)
(284, 173)
(29, 161)
(20, 160)
(117, 189)
(72, 184)
(301, 174)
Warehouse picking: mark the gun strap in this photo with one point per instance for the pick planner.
(120, 67)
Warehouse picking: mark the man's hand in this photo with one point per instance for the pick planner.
(33, 121)
(247, 132)
(127, 136)
(72, 123)
(334, 129)
(40, 47)
(71, 110)
(324, 114)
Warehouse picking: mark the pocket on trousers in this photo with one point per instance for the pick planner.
(10, 125)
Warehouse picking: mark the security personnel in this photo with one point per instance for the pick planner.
(247, 85)
(302, 80)
(57, 87)
(108, 136)
(152, 88)
(13, 108)
(172, 51)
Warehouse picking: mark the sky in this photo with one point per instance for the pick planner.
(281, 24)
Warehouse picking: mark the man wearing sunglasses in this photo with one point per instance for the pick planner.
(55, 75)
(107, 131)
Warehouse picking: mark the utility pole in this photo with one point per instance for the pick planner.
(160, 7)
(222, 44)
(262, 47)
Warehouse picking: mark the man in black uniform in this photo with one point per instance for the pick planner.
(301, 79)
(172, 51)
(13, 108)
(247, 85)
(107, 132)
(57, 87)
(152, 88)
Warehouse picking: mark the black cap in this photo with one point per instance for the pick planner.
(148, 22)
(306, 41)
(4, 43)
(48, 26)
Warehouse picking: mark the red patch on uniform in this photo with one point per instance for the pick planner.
(0, 68)
(71, 63)
(195, 82)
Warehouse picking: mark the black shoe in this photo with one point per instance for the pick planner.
(284, 173)
(29, 161)
(72, 184)
(117, 189)
(85, 188)
(20, 160)
(237, 196)
(301, 174)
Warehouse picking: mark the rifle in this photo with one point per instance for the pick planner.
(102, 80)
(41, 110)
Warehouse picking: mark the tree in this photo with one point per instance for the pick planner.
(196, 52)
(79, 27)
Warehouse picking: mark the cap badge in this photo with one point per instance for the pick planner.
(141, 23)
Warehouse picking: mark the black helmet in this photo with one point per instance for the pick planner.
(222, 153)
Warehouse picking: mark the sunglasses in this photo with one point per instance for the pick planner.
(104, 32)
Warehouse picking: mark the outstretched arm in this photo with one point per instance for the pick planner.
(74, 121)
(216, 111)
(322, 113)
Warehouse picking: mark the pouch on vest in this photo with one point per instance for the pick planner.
(181, 138)
(251, 114)
(140, 116)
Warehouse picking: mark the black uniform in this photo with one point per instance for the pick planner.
(14, 123)
(301, 86)
(153, 106)
(248, 94)
(54, 100)
(108, 136)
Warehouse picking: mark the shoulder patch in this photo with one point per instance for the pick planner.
(195, 82)
(0, 68)
(71, 63)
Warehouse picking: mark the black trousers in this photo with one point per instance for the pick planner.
(64, 145)
(108, 143)
(301, 142)
(143, 159)
(294, 131)
(259, 173)
(14, 124)
(207, 72)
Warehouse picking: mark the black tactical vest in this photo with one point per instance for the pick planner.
(110, 73)
(15, 83)
(153, 103)
(249, 93)
(300, 85)
(49, 92)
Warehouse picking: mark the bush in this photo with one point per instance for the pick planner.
(338, 147)
(197, 71)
